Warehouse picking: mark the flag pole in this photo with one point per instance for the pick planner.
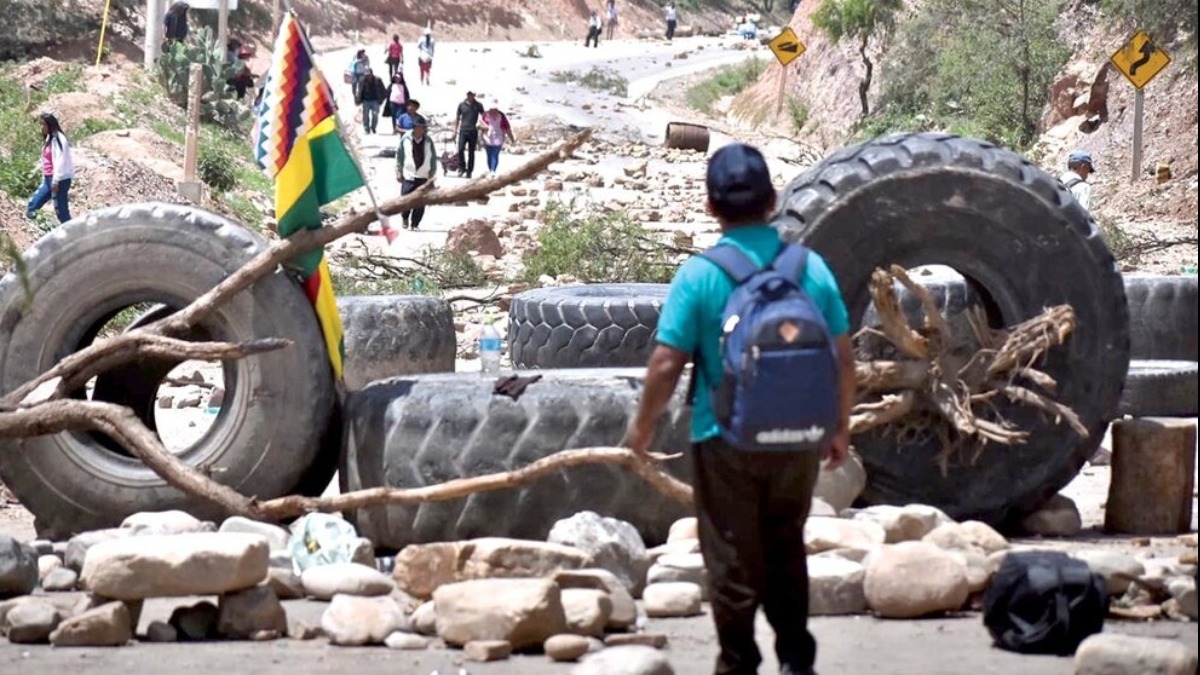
(386, 229)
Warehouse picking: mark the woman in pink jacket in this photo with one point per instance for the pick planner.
(495, 130)
(58, 169)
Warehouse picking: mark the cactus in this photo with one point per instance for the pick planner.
(217, 103)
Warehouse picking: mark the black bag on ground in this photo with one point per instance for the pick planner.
(1044, 602)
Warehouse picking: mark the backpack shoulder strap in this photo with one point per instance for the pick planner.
(1073, 182)
(732, 261)
(791, 261)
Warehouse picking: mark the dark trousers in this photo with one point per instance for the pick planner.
(670, 30)
(393, 65)
(751, 509)
(468, 142)
(593, 38)
(412, 218)
(43, 195)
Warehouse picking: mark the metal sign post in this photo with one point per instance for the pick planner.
(1139, 60)
(1139, 101)
(787, 47)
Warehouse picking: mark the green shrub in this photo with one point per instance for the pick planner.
(798, 112)
(596, 248)
(92, 126)
(727, 81)
(963, 70)
(596, 79)
(20, 139)
(217, 166)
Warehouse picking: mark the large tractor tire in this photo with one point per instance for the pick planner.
(590, 326)
(423, 430)
(1162, 316)
(1023, 244)
(391, 335)
(1160, 389)
(276, 416)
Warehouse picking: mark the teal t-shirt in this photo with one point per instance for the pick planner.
(691, 314)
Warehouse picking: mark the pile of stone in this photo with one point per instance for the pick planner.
(572, 597)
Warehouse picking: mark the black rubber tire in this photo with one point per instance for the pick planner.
(428, 429)
(277, 405)
(1015, 233)
(1160, 389)
(589, 326)
(1162, 317)
(392, 335)
(126, 383)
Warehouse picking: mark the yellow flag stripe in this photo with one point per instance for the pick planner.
(331, 321)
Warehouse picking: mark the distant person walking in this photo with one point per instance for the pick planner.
(610, 11)
(593, 34)
(397, 99)
(416, 165)
(175, 23)
(496, 130)
(358, 66)
(58, 169)
(371, 94)
(466, 130)
(425, 55)
(395, 57)
(672, 20)
(404, 121)
(1075, 178)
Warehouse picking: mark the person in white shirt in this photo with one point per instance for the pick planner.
(58, 170)
(593, 34)
(672, 20)
(1075, 178)
(425, 55)
(611, 12)
(416, 165)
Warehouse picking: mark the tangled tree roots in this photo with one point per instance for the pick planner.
(928, 393)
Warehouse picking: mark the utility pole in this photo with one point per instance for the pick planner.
(222, 26)
(154, 32)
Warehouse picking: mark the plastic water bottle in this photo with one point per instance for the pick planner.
(489, 349)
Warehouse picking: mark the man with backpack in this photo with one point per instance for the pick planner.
(1075, 179)
(766, 328)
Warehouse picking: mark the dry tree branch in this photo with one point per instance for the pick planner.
(891, 318)
(652, 473)
(1058, 410)
(75, 370)
(124, 426)
(938, 331)
(891, 408)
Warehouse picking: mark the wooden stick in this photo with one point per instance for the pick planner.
(894, 323)
(294, 505)
(123, 426)
(75, 370)
(892, 408)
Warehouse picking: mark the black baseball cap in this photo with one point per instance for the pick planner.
(738, 177)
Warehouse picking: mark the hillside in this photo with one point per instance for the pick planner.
(60, 26)
(1087, 105)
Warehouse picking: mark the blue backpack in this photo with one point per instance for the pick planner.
(779, 368)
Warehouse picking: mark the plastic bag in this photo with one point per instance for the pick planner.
(322, 539)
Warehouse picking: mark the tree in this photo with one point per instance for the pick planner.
(980, 67)
(860, 21)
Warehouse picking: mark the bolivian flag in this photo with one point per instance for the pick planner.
(298, 146)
